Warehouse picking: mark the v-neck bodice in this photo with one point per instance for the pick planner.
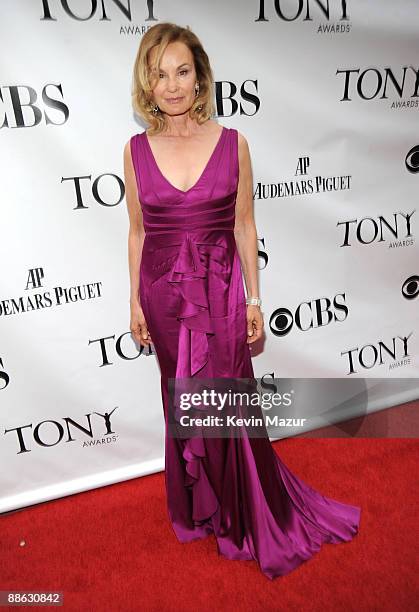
(208, 204)
(185, 191)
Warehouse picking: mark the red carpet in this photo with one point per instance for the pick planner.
(113, 548)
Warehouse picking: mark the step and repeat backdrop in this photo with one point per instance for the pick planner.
(327, 95)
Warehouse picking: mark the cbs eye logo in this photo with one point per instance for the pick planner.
(410, 287)
(412, 160)
(309, 315)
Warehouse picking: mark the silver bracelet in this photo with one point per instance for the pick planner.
(254, 301)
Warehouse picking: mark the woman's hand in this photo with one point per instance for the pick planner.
(138, 325)
(254, 318)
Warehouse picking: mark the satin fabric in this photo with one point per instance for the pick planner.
(192, 294)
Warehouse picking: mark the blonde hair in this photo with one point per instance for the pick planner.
(161, 35)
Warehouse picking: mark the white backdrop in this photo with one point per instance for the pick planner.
(328, 101)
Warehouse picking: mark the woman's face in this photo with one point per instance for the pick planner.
(174, 89)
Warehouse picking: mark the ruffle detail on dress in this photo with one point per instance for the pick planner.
(205, 502)
(189, 275)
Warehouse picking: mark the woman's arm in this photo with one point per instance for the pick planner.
(246, 237)
(245, 228)
(136, 232)
(136, 235)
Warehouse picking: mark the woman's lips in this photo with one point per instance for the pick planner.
(173, 100)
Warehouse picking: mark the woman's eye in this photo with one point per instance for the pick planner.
(180, 72)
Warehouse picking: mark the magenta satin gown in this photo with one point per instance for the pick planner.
(193, 299)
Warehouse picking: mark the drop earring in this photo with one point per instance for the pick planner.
(199, 108)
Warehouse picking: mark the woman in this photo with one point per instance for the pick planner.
(190, 202)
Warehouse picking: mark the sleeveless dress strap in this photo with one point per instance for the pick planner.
(136, 152)
(234, 151)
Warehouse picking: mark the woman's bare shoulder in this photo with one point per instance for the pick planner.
(243, 146)
(127, 149)
(241, 139)
(129, 154)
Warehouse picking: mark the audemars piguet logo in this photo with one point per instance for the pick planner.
(38, 297)
(305, 184)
